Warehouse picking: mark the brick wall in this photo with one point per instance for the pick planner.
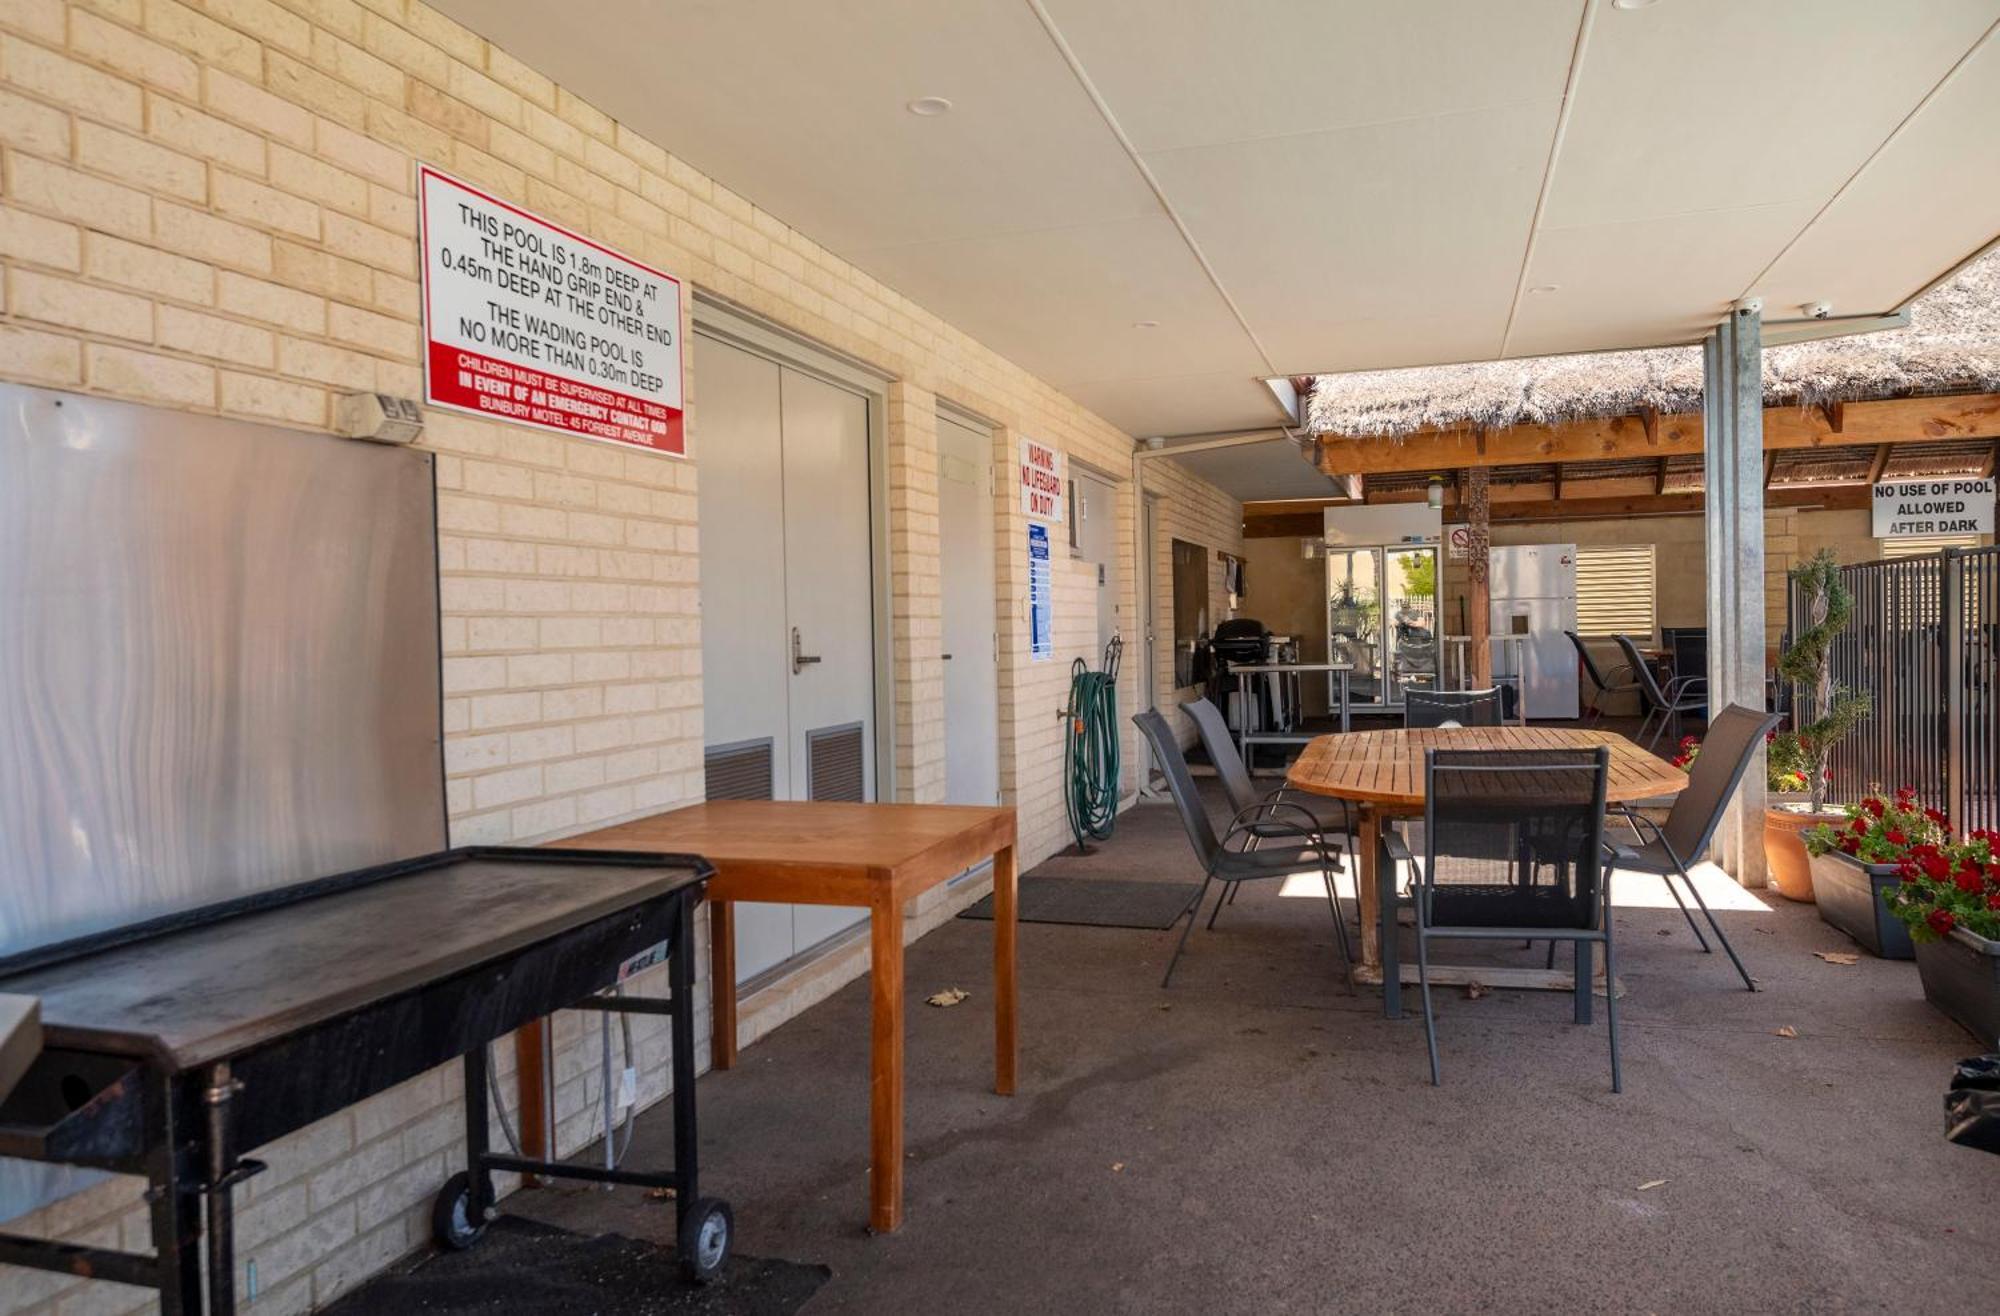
(210, 206)
(1188, 509)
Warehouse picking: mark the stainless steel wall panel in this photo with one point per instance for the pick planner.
(218, 661)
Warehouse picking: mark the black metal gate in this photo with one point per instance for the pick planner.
(1923, 644)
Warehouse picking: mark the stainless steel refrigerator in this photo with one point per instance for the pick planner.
(1532, 589)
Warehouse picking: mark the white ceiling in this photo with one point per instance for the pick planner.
(1306, 186)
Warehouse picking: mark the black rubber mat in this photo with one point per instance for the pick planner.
(525, 1266)
(1096, 902)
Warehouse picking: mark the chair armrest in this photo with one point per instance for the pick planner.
(1252, 818)
(1681, 685)
(1617, 854)
(1398, 849)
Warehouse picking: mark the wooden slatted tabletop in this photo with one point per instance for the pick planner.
(1387, 767)
(1383, 772)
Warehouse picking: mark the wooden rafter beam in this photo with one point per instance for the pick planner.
(1880, 462)
(1835, 415)
(1961, 416)
(1835, 498)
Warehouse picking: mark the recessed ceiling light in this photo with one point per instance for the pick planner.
(1545, 287)
(1633, 4)
(1145, 324)
(929, 107)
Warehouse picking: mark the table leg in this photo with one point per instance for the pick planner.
(885, 1094)
(722, 983)
(1006, 1043)
(1367, 858)
(1385, 914)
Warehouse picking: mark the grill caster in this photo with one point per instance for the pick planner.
(706, 1233)
(450, 1223)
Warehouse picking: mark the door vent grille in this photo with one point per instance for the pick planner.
(834, 765)
(741, 771)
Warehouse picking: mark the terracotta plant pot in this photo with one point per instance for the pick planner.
(1785, 858)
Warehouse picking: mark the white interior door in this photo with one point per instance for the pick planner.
(971, 674)
(829, 604)
(746, 677)
(788, 634)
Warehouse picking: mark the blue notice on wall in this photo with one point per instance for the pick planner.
(1041, 604)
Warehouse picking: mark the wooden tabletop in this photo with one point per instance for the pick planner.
(1387, 767)
(872, 844)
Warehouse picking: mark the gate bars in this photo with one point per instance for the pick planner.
(1925, 643)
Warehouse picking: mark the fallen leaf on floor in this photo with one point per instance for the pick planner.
(1651, 1184)
(1117, 1167)
(1664, 932)
(660, 1194)
(1769, 932)
(1838, 956)
(1787, 1031)
(1166, 1005)
(1474, 990)
(950, 996)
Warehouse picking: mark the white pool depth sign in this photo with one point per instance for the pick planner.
(1043, 479)
(528, 322)
(1909, 508)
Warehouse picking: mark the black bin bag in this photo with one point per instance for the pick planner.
(1972, 1105)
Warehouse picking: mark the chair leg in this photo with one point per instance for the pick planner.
(1194, 912)
(1582, 987)
(1686, 913)
(1749, 983)
(1551, 962)
(1611, 1001)
(1222, 898)
(1430, 1019)
(1339, 929)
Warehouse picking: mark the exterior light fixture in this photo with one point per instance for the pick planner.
(1434, 496)
(929, 107)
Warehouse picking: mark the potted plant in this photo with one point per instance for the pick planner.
(1828, 605)
(1856, 864)
(1949, 899)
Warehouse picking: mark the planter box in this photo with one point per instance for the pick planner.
(1962, 978)
(1849, 893)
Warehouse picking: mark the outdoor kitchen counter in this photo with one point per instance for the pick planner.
(874, 856)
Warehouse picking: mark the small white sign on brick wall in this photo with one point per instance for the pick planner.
(528, 322)
(1044, 478)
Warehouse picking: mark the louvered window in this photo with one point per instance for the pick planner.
(1615, 590)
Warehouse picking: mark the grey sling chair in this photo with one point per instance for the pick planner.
(1606, 685)
(1726, 752)
(1514, 847)
(1466, 708)
(1329, 814)
(1683, 694)
(1220, 863)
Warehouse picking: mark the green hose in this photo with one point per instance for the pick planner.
(1090, 749)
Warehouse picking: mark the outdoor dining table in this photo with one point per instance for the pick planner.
(1382, 772)
(879, 857)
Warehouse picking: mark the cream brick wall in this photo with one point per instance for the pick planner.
(1191, 509)
(209, 205)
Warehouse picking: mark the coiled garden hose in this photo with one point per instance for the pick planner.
(1090, 748)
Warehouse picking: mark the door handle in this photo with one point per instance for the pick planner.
(945, 656)
(800, 660)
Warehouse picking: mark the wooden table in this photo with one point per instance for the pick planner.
(1383, 772)
(875, 856)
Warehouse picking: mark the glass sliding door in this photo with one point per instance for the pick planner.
(1354, 622)
(1411, 629)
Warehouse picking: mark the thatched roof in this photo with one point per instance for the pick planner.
(1952, 345)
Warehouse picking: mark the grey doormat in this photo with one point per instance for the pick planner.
(1095, 902)
(525, 1266)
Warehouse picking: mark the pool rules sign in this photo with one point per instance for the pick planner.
(528, 322)
(1906, 508)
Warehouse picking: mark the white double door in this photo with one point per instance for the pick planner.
(787, 602)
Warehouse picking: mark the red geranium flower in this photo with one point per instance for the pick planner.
(1848, 845)
(1968, 881)
(1935, 865)
(1993, 901)
(1941, 921)
(1895, 836)
(1937, 816)
(1859, 826)
(1874, 806)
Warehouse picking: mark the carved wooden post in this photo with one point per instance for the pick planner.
(1478, 608)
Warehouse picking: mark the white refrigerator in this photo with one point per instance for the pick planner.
(1532, 589)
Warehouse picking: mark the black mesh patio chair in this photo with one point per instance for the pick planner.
(1229, 858)
(1725, 756)
(1605, 685)
(1331, 816)
(1690, 649)
(1513, 847)
(1466, 708)
(1664, 707)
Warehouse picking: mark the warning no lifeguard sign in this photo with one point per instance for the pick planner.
(527, 322)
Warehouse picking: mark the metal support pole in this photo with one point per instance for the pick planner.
(1733, 464)
(1951, 628)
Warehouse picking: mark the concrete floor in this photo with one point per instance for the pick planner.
(1255, 1139)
